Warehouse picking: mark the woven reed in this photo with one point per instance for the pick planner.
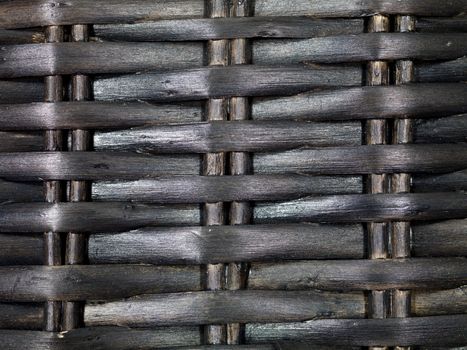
(251, 174)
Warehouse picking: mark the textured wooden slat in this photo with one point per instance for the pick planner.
(442, 25)
(93, 217)
(200, 245)
(443, 302)
(327, 161)
(353, 208)
(95, 282)
(32, 13)
(362, 47)
(357, 8)
(448, 71)
(20, 192)
(448, 130)
(200, 189)
(21, 316)
(20, 249)
(21, 91)
(21, 142)
(221, 136)
(20, 37)
(220, 307)
(441, 330)
(456, 181)
(217, 82)
(445, 238)
(103, 338)
(378, 274)
(421, 100)
(90, 58)
(228, 28)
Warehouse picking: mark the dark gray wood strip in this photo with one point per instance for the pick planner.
(221, 307)
(21, 249)
(21, 316)
(94, 282)
(442, 25)
(36, 13)
(219, 82)
(456, 181)
(21, 192)
(21, 91)
(228, 28)
(357, 8)
(443, 302)
(222, 136)
(421, 100)
(378, 274)
(206, 189)
(103, 338)
(354, 208)
(21, 141)
(439, 330)
(444, 71)
(201, 245)
(445, 238)
(93, 217)
(362, 47)
(93, 58)
(441, 130)
(20, 37)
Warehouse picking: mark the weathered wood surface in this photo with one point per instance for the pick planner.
(444, 71)
(94, 282)
(442, 25)
(442, 130)
(378, 274)
(20, 192)
(21, 316)
(20, 37)
(21, 141)
(21, 91)
(221, 307)
(445, 238)
(456, 181)
(443, 302)
(21, 249)
(201, 245)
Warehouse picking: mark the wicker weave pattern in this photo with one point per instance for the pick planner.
(251, 174)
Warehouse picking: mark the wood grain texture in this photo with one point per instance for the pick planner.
(102, 338)
(378, 274)
(94, 282)
(442, 25)
(206, 189)
(21, 316)
(20, 37)
(440, 330)
(218, 82)
(220, 307)
(35, 13)
(444, 71)
(200, 245)
(456, 181)
(21, 91)
(222, 136)
(441, 130)
(21, 249)
(357, 8)
(361, 47)
(443, 302)
(228, 28)
(21, 141)
(93, 217)
(11, 191)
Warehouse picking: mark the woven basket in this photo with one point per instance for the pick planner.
(210, 174)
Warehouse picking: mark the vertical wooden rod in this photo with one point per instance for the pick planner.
(79, 190)
(240, 164)
(400, 233)
(214, 164)
(376, 134)
(53, 190)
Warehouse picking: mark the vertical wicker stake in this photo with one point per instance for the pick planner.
(214, 165)
(79, 190)
(376, 134)
(240, 164)
(401, 182)
(53, 189)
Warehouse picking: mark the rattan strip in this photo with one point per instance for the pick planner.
(53, 190)
(214, 164)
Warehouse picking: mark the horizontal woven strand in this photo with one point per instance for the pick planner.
(95, 282)
(219, 82)
(445, 238)
(362, 47)
(93, 217)
(221, 307)
(365, 208)
(320, 161)
(450, 71)
(438, 330)
(21, 249)
(456, 181)
(41, 12)
(443, 302)
(448, 130)
(378, 274)
(21, 142)
(221, 136)
(228, 28)
(21, 91)
(121, 216)
(207, 189)
(442, 25)
(200, 245)
(420, 100)
(103, 338)
(11, 191)
(20, 37)
(357, 8)
(21, 316)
